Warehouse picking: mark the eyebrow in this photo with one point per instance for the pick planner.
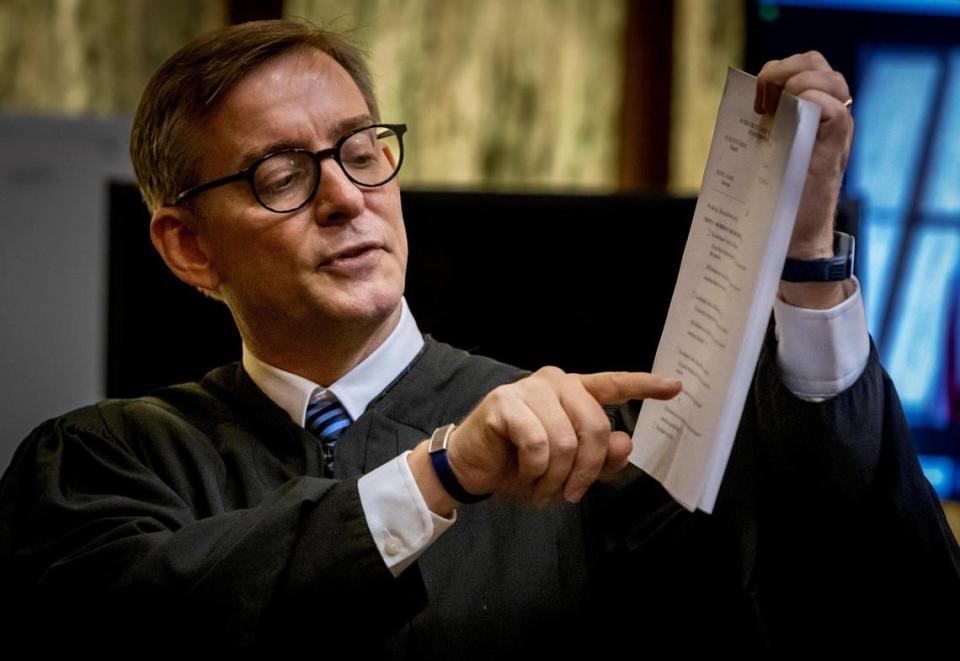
(338, 129)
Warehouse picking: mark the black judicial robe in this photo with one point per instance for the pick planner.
(195, 519)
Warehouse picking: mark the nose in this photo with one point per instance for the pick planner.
(337, 199)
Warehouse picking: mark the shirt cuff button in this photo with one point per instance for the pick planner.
(392, 546)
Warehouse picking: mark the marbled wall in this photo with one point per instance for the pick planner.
(91, 57)
(503, 94)
(500, 94)
(708, 36)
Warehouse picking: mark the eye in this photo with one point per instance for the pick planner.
(359, 151)
(285, 181)
(357, 157)
(280, 174)
(280, 181)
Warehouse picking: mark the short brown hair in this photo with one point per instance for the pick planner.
(188, 86)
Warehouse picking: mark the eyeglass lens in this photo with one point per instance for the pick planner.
(286, 181)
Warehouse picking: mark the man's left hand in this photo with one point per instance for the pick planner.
(811, 77)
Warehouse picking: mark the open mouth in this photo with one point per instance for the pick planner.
(360, 255)
(355, 252)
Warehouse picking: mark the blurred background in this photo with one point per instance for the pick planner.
(557, 111)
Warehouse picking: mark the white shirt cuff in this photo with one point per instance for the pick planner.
(397, 515)
(822, 352)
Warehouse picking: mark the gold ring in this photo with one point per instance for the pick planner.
(848, 102)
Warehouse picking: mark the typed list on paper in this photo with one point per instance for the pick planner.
(724, 293)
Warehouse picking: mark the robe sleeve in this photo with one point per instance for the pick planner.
(825, 531)
(851, 540)
(107, 544)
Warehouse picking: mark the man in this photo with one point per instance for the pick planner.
(209, 515)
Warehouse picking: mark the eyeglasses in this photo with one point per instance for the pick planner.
(286, 180)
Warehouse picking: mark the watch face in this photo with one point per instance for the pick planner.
(438, 441)
(843, 245)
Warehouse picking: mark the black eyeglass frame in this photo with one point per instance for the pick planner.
(333, 152)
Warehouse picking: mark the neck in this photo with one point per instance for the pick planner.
(323, 357)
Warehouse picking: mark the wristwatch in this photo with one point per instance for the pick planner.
(441, 466)
(838, 267)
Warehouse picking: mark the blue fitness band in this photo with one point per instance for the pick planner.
(831, 269)
(441, 466)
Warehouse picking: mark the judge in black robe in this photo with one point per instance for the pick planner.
(196, 519)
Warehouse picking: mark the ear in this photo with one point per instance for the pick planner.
(173, 231)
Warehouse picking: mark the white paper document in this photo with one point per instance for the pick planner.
(724, 294)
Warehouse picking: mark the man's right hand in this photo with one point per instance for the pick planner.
(540, 438)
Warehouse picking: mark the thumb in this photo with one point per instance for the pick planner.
(619, 387)
(618, 453)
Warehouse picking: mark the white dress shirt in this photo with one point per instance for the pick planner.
(820, 352)
(397, 516)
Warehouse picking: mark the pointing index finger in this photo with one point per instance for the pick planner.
(620, 387)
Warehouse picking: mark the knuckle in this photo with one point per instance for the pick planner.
(572, 381)
(501, 395)
(565, 444)
(597, 426)
(536, 444)
(550, 372)
(841, 82)
(623, 379)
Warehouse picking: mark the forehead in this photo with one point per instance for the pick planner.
(302, 97)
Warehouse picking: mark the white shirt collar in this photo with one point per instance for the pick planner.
(355, 389)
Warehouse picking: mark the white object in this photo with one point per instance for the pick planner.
(725, 291)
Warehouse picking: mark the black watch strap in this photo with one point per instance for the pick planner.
(441, 466)
(838, 267)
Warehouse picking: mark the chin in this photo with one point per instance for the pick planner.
(368, 308)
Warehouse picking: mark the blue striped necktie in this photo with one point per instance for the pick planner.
(327, 419)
